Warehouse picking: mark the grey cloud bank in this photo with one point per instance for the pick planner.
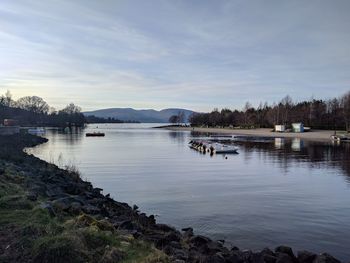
(160, 54)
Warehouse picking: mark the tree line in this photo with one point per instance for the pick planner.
(33, 110)
(315, 113)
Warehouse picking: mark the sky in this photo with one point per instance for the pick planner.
(193, 54)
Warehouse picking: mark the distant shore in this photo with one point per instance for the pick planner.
(315, 135)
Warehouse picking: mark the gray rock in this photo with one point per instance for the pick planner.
(234, 258)
(175, 244)
(269, 258)
(234, 248)
(75, 208)
(326, 258)
(53, 191)
(284, 258)
(61, 204)
(127, 225)
(165, 228)
(285, 250)
(267, 251)
(247, 255)
(188, 232)
(306, 256)
(216, 258)
(90, 209)
(199, 240)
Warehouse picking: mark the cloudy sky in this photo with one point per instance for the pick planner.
(159, 54)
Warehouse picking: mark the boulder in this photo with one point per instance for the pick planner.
(216, 258)
(199, 240)
(167, 239)
(61, 204)
(127, 225)
(325, 258)
(234, 258)
(284, 258)
(269, 258)
(52, 191)
(188, 232)
(234, 248)
(75, 208)
(165, 228)
(285, 250)
(65, 203)
(306, 256)
(90, 209)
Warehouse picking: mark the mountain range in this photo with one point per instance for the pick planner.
(129, 114)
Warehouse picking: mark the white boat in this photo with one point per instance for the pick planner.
(212, 147)
(224, 149)
(339, 138)
(36, 131)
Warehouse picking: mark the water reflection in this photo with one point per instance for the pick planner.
(288, 151)
(279, 143)
(177, 136)
(72, 135)
(285, 151)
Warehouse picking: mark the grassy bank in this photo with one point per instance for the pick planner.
(31, 230)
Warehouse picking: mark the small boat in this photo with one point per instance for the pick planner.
(224, 149)
(95, 134)
(339, 138)
(36, 131)
(212, 147)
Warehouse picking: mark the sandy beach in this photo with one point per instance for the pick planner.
(316, 135)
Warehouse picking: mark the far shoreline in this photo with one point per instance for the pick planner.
(313, 135)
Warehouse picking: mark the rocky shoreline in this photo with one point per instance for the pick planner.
(63, 194)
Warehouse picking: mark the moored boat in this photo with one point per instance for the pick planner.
(95, 134)
(36, 131)
(212, 148)
(224, 149)
(339, 138)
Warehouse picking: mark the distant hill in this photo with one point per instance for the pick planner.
(129, 114)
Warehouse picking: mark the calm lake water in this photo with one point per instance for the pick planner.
(273, 192)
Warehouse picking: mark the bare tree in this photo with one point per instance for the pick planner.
(71, 108)
(345, 102)
(246, 109)
(174, 119)
(6, 100)
(181, 117)
(316, 113)
(285, 108)
(34, 104)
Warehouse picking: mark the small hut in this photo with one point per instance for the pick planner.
(280, 128)
(298, 127)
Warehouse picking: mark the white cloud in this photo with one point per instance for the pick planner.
(173, 53)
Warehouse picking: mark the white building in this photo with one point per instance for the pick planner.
(280, 128)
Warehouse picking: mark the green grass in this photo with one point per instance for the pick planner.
(64, 238)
